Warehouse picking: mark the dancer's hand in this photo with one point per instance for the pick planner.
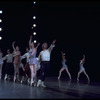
(38, 44)
(14, 42)
(31, 37)
(61, 52)
(54, 41)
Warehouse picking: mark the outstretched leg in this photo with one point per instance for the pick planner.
(68, 73)
(86, 75)
(15, 72)
(62, 69)
(79, 75)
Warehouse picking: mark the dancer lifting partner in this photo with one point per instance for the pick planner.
(64, 66)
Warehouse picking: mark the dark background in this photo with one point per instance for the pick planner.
(75, 26)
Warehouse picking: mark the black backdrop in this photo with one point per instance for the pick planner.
(75, 26)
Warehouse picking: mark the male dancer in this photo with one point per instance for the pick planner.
(44, 57)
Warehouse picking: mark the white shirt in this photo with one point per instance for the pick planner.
(45, 54)
(1, 54)
(9, 58)
(26, 55)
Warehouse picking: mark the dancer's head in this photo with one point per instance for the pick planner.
(8, 51)
(17, 48)
(64, 57)
(27, 49)
(44, 45)
(32, 45)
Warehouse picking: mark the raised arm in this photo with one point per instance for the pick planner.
(37, 45)
(30, 41)
(84, 57)
(52, 45)
(13, 46)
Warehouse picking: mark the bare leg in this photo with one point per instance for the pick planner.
(68, 73)
(18, 72)
(15, 71)
(62, 69)
(86, 75)
(79, 75)
(32, 73)
(35, 73)
(0, 70)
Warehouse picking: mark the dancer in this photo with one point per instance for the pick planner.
(9, 64)
(64, 66)
(82, 69)
(44, 56)
(1, 63)
(32, 60)
(16, 61)
(21, 67)
(27, 69)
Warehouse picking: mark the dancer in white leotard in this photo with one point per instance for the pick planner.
(82, 69)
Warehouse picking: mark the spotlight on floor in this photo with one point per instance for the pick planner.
(34, 33)
(0, 38)
(34, 41)
(0, 29)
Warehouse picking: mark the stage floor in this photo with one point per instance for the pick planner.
(56, 89)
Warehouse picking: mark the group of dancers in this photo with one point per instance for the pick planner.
(33, 63)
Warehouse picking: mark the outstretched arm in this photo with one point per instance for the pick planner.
(52, 45)
(37, 45)
(84, 57)
(30, 41)
(13, 46)
(24, 56)
(5, 57)
(62, 54)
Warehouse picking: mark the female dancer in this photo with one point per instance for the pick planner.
(64, 66)
(82, 69)
(1, 63)
(32, 60)
(16, 61)
(9, 64)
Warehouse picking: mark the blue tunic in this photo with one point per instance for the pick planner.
(64, 64)
(81, 67)
(33, 59)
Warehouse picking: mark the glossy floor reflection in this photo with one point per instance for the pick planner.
(56, 89)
